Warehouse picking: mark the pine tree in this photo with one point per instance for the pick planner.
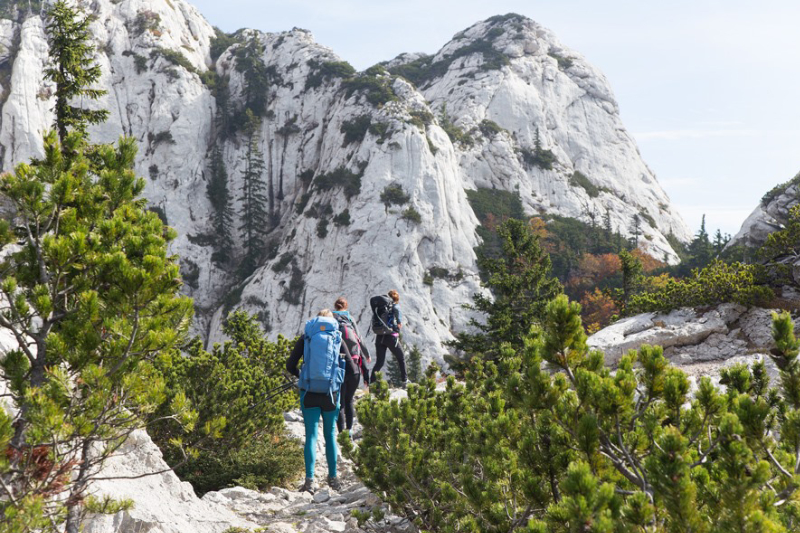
(720, 241)
(93, 298)
(415, 373)
(521, 285)
(700, 249)
(552, 440)
(631, 279)
(636, 231)
(392, 371)
(219, 196)
(254, 217)
(72, 69)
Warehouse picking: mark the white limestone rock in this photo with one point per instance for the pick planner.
(172, 113)
(769, 217)
(162, 502)
(700, 343)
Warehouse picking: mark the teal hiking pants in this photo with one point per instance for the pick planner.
(311, 420)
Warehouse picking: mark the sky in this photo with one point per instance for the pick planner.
(708, 88)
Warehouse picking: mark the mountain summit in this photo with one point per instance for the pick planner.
(292, 179)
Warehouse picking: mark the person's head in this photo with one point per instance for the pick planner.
(394, 295)
(325, 312)
(340, 304)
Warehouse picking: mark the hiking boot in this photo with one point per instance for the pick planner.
(335, 484)
(309, 486)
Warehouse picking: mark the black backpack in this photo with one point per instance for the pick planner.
(350, 337)
(382, 315)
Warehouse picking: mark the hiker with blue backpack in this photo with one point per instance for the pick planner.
(359, 353)
(386, 323)
(325, 358)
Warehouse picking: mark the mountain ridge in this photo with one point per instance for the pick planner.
(505, 107)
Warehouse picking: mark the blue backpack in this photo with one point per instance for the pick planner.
(323, 367)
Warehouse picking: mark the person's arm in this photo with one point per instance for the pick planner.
(398, 317)
(294, 358)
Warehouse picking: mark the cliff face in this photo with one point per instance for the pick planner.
(503, 105)
(769, 215)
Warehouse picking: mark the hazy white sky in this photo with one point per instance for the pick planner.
(709, 88)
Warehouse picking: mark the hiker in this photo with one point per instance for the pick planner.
(325, 358)
(386, 323)
(358, 352)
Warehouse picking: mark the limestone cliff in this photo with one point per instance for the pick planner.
(503, 105)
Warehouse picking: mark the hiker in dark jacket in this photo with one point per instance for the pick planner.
(358, 352)
(316, 404)
(392, 342)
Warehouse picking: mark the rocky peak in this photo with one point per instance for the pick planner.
(364, 174)
(770, 215)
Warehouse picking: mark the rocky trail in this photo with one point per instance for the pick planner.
(164, 504)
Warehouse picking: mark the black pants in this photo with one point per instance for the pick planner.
(347, 412)
(382, 342)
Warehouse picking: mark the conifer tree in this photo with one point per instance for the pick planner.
(521, 285)
(700, 249)
(219, 196)
(72, 69)
(91, 296)
(253, 215)
(415, 373)
(574, 447)
(631, 279)
(636, 230)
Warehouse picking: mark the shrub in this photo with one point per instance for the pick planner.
(552, 438)
(420, 118)
(427, 279)
(327, 70)
(221, 42)
(382, 130)
(490, 128)
(394, 195)
(248, 429)
(717, 283)
(541, 157)
(289, 127)
(498, 203)
(283, 262)
(779, 189)
(319, 210)
(342, 219)
(579, 179)
(140, 62)
(146, 20)
(306, 176)
(152, 171)
(649, 218)
(175, 57)
(456, 134)
(424, 69)
(341, 177)
(322, 228)
(412, 215)
(355, 130)
(160, 137)
(563, 62)
(377, 88)
(302, 202)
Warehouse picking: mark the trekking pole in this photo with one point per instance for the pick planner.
(277, 391)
